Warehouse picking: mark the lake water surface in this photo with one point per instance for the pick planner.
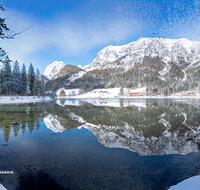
(100, 144)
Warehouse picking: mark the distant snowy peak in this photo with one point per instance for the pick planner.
(167, 49)
(52, 69)
(80, 66)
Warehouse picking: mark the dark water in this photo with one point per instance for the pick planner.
(99, 144)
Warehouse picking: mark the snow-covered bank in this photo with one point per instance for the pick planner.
(99, 93)
(69, 92)
(124, 93)
(22, 99)
(192, 183)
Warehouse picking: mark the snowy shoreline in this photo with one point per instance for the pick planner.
(117, 93)
(22, 99)
(135, 97)
(34, 99)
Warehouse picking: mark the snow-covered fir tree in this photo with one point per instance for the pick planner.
(7, 83)
(37, 84)
(1, 80)
(3, 32)
(30, 80)
(23, 80)
(42, 90)
(2, 54)
(16, 87)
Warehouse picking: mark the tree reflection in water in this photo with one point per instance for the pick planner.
(20, 117)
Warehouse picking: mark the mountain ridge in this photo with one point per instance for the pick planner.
(156, 63)
(147, 47)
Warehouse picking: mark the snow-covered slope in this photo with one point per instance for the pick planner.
(52, 69)
(134, 52)
(69, 92)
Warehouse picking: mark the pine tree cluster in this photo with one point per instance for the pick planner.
(16, 82)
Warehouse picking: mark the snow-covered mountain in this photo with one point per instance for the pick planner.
(161, 65)
(168, 50)
(52, 69)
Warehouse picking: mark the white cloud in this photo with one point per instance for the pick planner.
(73, 36)
(70, 36)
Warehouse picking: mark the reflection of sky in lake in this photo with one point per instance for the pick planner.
(75, 159)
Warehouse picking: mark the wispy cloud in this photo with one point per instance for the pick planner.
(121, 21)
(66, 34)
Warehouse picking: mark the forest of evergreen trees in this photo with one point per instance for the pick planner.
(14, 81)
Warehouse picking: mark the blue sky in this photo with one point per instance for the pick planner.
(74, 31)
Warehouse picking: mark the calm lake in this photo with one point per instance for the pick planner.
(105, 144)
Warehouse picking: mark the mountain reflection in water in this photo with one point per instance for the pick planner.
(63, 144)
(147, 127)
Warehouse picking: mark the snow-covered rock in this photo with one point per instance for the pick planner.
(77, 75)
(52, 69)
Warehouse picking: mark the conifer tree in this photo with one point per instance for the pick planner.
(23, 80)
(16, 87)
(42, 89)
(7, 76)
(1, 80)
(62, 93)
(37, 84)
(30, 80)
